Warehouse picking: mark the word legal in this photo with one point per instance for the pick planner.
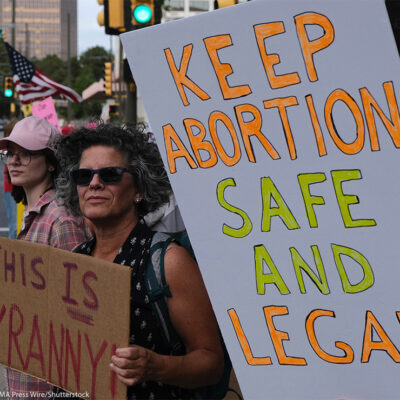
(372, 327)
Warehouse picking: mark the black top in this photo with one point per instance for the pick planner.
(144, 327)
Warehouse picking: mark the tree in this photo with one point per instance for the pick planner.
(93, 60)
(53, 67)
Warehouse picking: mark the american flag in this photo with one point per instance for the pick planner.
(33, 85)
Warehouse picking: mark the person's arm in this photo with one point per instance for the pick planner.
(193, 318)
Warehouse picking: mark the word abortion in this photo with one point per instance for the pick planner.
(252, 128)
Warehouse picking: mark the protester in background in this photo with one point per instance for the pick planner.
(11, 205)
(166, 218)
(116, 177)
(33, 167)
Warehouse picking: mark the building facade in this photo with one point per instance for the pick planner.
(176, 9)
(42, 27)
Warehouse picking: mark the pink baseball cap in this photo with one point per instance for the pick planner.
(33, 133)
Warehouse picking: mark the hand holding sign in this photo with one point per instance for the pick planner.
(55, 317)
(134, 365)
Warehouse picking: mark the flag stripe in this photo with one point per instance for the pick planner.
(32, 84)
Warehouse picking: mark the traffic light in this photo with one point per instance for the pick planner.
(113, 110)
(113, 16)
(142, 13)
(108, 78)
(224, 3)
(8, 86)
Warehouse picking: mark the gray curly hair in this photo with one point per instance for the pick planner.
(141, 157)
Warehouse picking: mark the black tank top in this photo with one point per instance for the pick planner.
(144, 327)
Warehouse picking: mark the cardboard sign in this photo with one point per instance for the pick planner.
(62, 315)
(278, 122)
(45, 109)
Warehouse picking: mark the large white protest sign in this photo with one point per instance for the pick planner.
(279, 126)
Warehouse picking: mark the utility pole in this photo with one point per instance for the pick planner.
(69, 111)
(120, 80)
(13, 23)
(27, 44)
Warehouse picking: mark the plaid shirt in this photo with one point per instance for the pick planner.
(50, 224)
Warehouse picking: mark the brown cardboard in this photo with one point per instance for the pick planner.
(62, 315)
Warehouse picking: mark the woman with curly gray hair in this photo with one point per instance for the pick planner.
(114, 176)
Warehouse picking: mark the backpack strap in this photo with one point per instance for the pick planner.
(158, 290)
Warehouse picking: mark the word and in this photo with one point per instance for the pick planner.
(262, 256)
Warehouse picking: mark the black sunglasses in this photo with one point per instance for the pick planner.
(107, 175)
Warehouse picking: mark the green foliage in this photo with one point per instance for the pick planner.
(93, 60)
(53, 67)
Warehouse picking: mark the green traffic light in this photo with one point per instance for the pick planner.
(8, 93)
(142, 14)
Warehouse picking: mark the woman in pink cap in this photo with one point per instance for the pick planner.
(33, 168)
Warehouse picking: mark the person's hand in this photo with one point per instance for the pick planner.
(133, 364)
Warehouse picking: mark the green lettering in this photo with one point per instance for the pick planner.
(345, 200)
(368, 279)
(246, 227)
(299, 264)
(305, 180)
(269, 191)
(261, 255)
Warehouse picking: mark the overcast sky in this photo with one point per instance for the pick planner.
(90, 34)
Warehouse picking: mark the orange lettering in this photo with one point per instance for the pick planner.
(281, 104)
(349, 354)
(171, 136)
(358, 143)
(278, 336)
(316, 126)
(244, 344)
(251, 128)
(309, 48)
(213, 44)
(385, 344)
(180, 77)
(393, 127)
(213, 120)
(198, 143)
(263, 31)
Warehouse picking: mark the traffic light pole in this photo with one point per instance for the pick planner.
(131, 107)
(120, 81)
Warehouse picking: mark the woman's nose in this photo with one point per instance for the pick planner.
(95, 182)
(13, 159)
